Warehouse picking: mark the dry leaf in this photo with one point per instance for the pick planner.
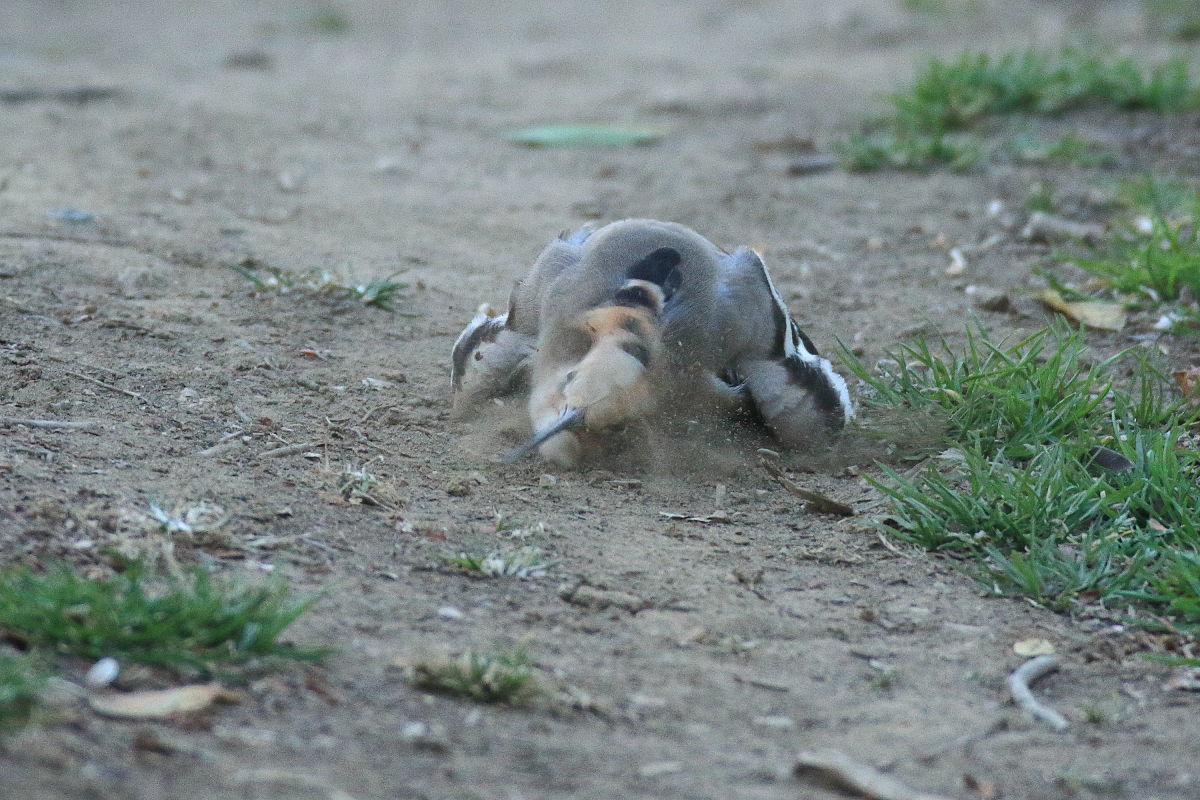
(161, 703)
(1028, 648)
(1093, 313)
(1186, 380)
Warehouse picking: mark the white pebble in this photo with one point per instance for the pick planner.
(450, 612)
(102, 673)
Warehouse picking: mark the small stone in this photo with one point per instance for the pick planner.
(1043, 227)
(450, 612)
(647, 701)
(547, 481)
(413, 730)
(988, 299)
(958, 263)
(808, 165)
(102, 673)
(289, 181)
(656, 768)
(778, 723)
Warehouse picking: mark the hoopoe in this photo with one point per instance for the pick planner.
(573, 404)
(727, 339)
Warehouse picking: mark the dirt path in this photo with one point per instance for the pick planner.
(378, 149)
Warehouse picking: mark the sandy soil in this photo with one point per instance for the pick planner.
(379, 149)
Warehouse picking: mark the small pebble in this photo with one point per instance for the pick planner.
(102, 673)
(547, 481)
(778, 723)
(657, 768)
(71, 214)
(450, 612)
(413, 729)
(988, 299)
(958, 263)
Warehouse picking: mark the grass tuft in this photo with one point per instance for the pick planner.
(1161, 264)
(1007, 398)
(1022, 497)
(498, 676)
(381, 293)
(524, 563)
(190, 623)
(930, 119)
(20, 683)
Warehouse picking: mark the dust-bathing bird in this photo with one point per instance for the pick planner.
(573, 404)
(725, 338)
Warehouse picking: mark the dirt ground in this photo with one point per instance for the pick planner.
(264, 131)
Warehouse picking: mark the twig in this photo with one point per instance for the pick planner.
(110, 387)
(761, 684)
(375, 411)
(19, 306)
(287, 450)
(63, 424)
(889, 546)
(229, 441)
(62, 360)
(817, 501)
(836, 769)
(1018, 685)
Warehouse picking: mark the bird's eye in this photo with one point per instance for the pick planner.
(570, 376)
(478, 356)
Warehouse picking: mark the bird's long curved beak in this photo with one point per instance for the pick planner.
(572, 419)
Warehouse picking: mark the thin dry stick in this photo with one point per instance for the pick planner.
(838, 770)
(227, 443)
(109, 386)
(62, 360)
(817, 501)
(887, 543)
(1018, 685)
(287, 450)
(62, 424)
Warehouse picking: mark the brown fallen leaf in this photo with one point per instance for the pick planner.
(1092, 313)
(1188, 382)
(162, 703)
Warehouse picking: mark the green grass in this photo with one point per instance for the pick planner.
(187, 624)
(524, 562)
(1017, 499)
(330, 20)
(1155, 194)
(498, 676)
(380, 293)
(1010, 398)
(930, 120)
(21, 680)
(1067, 150)
(1159, 265)
(1178, 19)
